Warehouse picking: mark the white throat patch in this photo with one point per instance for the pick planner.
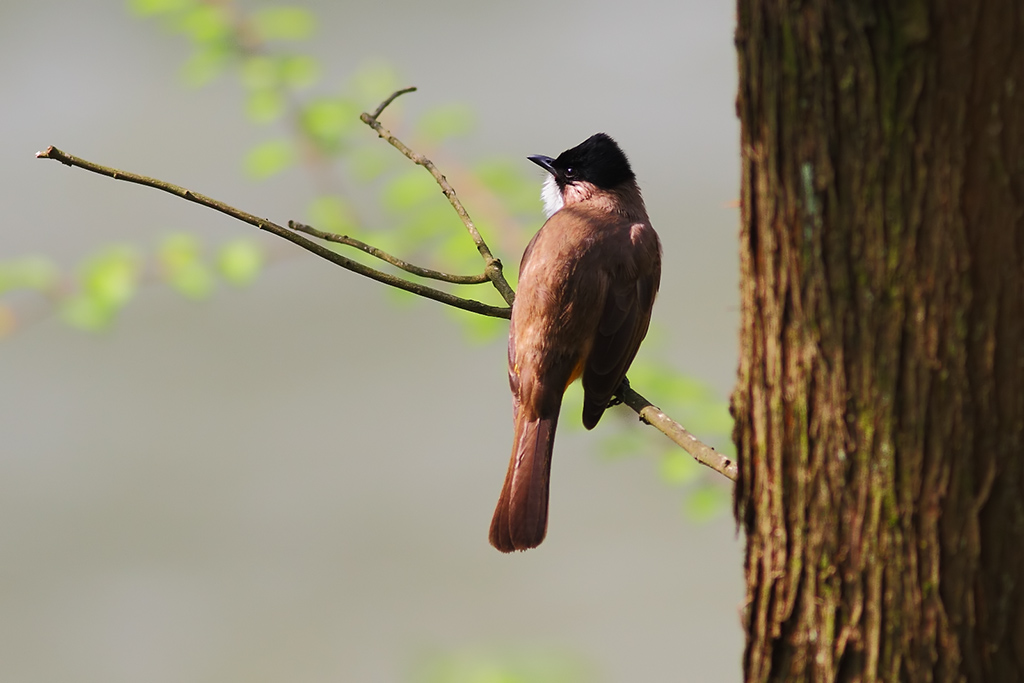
(551, 195)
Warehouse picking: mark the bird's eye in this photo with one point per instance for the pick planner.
(570, 172)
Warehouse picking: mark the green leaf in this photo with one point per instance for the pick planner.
(284, 23)
(713, 417)
(328, 119)
(368, 162)
(107, 281)
(411, 188)
(260, 72)
(145, 8)
(372, 82)
(427, 224)
(30, 272)
(666, 384)
(240, 261)
(691, 402)
(111, 277)
(178, 250)
(706, 503)
(521, 665)
(480, 329)
(180, 259)
(193, 281)
(269, 158)
(518, 190)
(264, 105)
(623, 443)
(87, 313)
(206, 23)
(300, 71)
(446, 121)
(330, 213)
(204, 65)
(457, 253)
(385, 240)
(679, 468)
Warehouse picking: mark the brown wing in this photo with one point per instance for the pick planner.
(543, 350)
(585, 292)
(623, 324)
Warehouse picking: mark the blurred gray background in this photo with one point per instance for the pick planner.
(294, 481)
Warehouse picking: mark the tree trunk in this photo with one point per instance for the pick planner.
(880, 402)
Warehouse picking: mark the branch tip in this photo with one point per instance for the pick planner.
(648, 413)
(383, 105)
(652, 415)
(52, 152)
(281, 231)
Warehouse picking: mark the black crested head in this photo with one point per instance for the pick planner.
(597, 160)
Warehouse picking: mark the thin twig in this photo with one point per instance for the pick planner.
(701, 452)
(704, 454)
(492, 266)
(269, 226)
(650, 414)
(384, 105)
(388, 258)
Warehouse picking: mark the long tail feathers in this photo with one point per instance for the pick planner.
(521, 518)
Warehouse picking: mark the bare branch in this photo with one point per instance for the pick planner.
(492, 266)
(650, 414)
(701, 452)
(384, 105)
(269, 226)
(388, 258)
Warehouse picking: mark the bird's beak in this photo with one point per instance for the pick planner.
(544, 162)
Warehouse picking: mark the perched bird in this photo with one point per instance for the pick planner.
(587, 283)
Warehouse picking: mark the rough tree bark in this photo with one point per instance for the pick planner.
(880, 402)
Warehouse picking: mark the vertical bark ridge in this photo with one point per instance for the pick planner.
(880, 401)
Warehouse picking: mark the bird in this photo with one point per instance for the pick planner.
(587, 284)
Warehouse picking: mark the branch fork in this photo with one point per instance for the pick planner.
(492, 273)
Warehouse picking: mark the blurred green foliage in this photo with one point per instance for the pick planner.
(319, 130)
(106, 283)
(444, 122)
(180, 258)
(90, 296)
(283, 23)
(333, 214)
(526, 666)
(311, 127)
(688, 401)
(315, 128)
(269, 158)
(240, 262)
(28, 273)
